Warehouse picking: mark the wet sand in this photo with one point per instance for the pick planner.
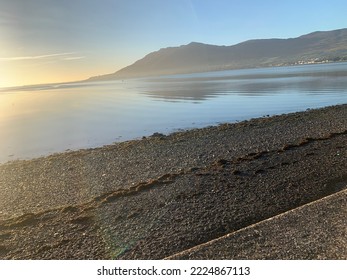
(156, 197)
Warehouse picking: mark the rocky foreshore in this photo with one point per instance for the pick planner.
(162, 195)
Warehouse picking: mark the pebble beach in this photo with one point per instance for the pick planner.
(165, 196)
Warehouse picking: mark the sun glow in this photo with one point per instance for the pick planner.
(50, 68)
(24, 74)
(7, 77)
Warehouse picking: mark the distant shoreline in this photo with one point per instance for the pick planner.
(47, 86)
(293, 64)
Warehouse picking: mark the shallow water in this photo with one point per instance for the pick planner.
(40, 120)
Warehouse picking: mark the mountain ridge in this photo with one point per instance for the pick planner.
(314, 47)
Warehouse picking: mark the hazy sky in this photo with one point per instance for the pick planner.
(46, 41)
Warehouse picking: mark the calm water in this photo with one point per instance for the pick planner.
(40, 120)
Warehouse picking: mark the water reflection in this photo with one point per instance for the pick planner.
(39, 120)
(188, 91)
(311, 80)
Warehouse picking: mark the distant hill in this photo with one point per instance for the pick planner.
(316, 47)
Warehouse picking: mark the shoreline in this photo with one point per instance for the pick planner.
(178, 131)
(164, 194)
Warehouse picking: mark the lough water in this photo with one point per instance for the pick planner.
(41, 120)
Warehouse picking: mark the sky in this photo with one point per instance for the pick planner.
(48, 41)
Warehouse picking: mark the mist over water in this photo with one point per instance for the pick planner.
(40, 120)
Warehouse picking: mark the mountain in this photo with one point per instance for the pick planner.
(316, 47)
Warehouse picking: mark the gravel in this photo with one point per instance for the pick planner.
(155, 197)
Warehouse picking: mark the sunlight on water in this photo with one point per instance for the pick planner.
(40, 120)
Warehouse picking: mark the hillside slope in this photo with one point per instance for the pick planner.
(197, 57)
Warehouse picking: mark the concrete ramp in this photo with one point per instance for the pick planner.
(317, 230)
